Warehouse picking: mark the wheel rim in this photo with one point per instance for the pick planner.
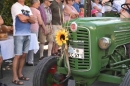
(50, 77)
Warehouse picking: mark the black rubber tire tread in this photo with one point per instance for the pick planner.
(35, 82)
(42, 69)
(126, 79)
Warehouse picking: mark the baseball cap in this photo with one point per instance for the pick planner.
(93, 11)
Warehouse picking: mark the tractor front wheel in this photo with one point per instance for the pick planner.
(45, 72)
(126, 79)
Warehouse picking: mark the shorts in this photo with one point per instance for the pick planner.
(55, 29)
(43, 37)
(21, 44)
(0, 52)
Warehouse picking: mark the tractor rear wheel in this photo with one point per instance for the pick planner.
(45, 72)
(126, 79)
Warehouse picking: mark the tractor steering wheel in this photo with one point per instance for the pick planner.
(126, 7)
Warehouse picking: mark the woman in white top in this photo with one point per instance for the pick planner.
(98, 7)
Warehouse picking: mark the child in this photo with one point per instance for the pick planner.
(94, 13)
(81, 13)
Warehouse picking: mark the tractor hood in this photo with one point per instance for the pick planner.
(98, 21)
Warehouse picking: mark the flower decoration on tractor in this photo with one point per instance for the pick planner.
(62, 37)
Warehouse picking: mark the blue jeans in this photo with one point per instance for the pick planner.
(21, 44)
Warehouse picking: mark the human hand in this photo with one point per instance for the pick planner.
(31, 19)
(124, 14)
(45, 32)
(74, 16)
(104, 1)
(51, 30)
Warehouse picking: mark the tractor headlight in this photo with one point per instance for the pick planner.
(73, 27)
(104, 42)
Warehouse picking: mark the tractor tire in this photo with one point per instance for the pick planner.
(46, 68)
(126, 79)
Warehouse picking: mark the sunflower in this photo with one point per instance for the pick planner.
(61, 37)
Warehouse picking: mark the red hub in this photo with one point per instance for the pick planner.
(52, 71)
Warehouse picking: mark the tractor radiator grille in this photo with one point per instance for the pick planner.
(81, 35)
(122, 37)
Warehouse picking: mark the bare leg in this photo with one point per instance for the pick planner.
(56, 48)
(21, 64)
(15, 68)
(50, 48)
(41, 50)
(53, 48)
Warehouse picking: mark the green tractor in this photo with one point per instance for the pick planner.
(97, 50)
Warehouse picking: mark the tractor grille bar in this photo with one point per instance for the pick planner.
(122, 36)
(81, 35)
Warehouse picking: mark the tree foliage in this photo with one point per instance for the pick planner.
(5, 10)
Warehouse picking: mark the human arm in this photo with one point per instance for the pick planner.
(68, 11)
(97, 8)
(1, 20)
(41, 23)
(25, 19)
(127, 1)
(31, 19)
(16, 11)
(104, 1)
(40, 18)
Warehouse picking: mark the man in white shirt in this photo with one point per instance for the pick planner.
(22, 18)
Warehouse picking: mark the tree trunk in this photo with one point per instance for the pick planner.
(87, 8)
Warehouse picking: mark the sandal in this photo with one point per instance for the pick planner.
(54, 54)
(41, 58)
(17, 82)
(24, 78)
(58, 54)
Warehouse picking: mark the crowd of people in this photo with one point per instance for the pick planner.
(44, 19)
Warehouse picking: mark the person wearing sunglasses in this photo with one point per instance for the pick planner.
(46, 33)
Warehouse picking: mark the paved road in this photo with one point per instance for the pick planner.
(28, 71)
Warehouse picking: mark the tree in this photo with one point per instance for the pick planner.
(5, 10)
